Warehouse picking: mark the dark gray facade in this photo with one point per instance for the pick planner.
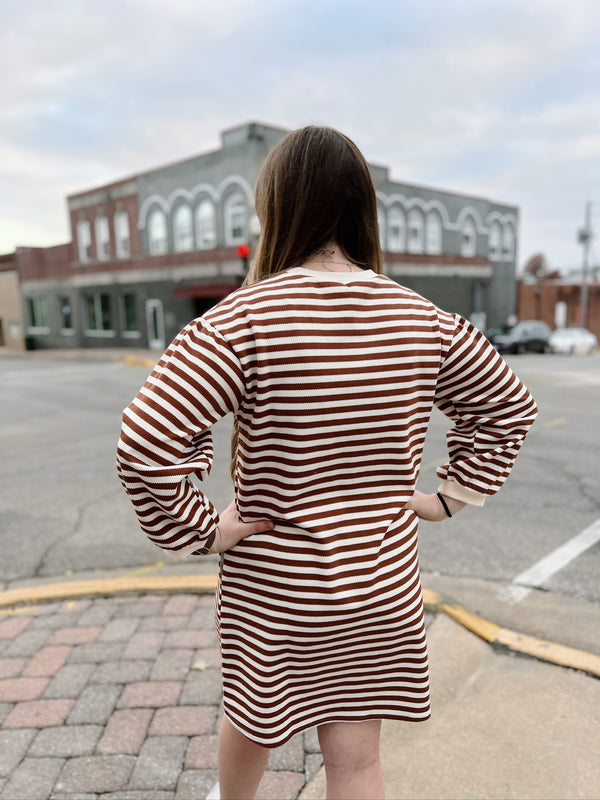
(457, 250)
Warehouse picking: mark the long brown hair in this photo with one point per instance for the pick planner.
(314, 189)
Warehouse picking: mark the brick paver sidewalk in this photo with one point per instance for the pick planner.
(120, 698)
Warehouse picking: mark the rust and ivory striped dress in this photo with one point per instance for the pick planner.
(332, 377)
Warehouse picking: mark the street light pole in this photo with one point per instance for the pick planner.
(584, 237)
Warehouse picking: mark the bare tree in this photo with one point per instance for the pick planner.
(536, 266)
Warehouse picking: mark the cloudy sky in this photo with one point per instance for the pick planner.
(498, 98)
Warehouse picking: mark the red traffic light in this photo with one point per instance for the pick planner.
(243, 250)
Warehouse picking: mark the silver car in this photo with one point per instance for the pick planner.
(573, 340)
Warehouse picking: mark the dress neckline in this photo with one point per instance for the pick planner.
(330, 275)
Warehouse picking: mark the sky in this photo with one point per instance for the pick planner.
(498, 99)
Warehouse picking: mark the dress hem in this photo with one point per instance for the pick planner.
(334, 718)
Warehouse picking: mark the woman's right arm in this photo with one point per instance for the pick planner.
(429, 506)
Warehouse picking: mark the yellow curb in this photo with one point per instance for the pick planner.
(155, 583)
(135, 361)
(543, 650)
(559, 654)
(482, 627)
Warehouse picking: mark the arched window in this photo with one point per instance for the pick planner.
(206, 227)
(183, 231)
(495, 240)
(468, 242)
(236, 219)
(396, 230)
(382, 229)
(508, 242)
(433, 233)
(415, 231)
(157, 232)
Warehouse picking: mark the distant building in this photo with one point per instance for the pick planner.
(152, 251)
(558, 302)
(12, 329)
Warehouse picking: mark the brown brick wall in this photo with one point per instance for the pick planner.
(49, 263)
(538, 301)
(61, 261)
(44, 263)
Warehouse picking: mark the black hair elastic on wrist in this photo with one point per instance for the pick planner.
(444, 504)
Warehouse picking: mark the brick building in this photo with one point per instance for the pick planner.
(150, 252)
(558, 302)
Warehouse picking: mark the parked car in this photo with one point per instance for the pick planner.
(528, 335)
(573, 340)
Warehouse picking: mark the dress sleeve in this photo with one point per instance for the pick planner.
(165, 438)
(492, 412)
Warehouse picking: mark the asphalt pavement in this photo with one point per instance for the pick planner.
(110, 687)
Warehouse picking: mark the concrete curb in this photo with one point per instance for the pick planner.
(541, 649)
(496, 635)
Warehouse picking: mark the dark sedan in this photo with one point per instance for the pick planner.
(528, 335)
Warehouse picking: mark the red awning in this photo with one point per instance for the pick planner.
(216, 289)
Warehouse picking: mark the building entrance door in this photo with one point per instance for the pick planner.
(155, 320)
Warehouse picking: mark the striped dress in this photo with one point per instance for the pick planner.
(332, 377)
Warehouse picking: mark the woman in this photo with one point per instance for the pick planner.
(331, 371)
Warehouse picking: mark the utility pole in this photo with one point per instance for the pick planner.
(584, 237)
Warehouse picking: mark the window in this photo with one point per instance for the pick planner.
(123, 244)
(415, 231)
(183, 232)
(84, 240)
(206, 228)
(236, 219)
(66, 313)
(129, 315)
(382, 229)
(102, 239)
(468, 242)
(433, 233)
(396, 231)
(508, 242)
(157, 233)
(37, 312)
(494, 240)
(98, 313)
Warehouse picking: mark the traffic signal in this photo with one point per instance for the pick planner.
(243, 251)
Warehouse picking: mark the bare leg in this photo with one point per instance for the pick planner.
(242, 763)
(351, 755)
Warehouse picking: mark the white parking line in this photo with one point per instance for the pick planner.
(214, 793)
(543, 569)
